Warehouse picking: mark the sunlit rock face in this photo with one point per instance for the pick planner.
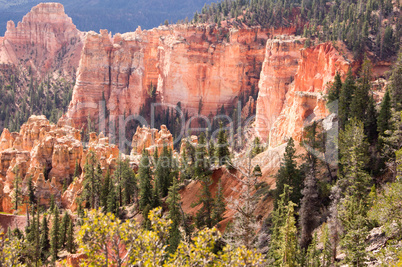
(46, 40)
(293, 83)
(186, 64)
(47, 154)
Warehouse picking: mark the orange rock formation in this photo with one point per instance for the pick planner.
(292, 87)
(56, 148)
(185, 63)
(46, 40)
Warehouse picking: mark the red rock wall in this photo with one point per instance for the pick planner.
(292, 88)
(46, 40)
(184, 62)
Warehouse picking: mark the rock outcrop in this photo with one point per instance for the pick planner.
(187, 64)
(46, 40)
(151, 140)
(293, 84)
(47, 154)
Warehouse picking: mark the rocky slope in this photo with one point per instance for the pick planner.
(292, 87)
(45, 40)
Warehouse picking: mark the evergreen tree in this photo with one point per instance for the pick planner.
(105, 190)
(17, 191)
(65, 222)
(129, 183)
(70, 237)
(219, 205)
(202, 167)
(204, 214)
(257, 147)
(283, 247)
(112, 206)
(31, 192)
(54, 235)
(163, 172)
(173, 201)
(396, 84)
(211, 152)
(92, 180)
(353, 215)
(145, 177)
(289, 174)
(335, 89)
(44, 239)
(345, 98)
(222, 150)
(384, 117)
(309, 210)
(353, 159)
(77, 172)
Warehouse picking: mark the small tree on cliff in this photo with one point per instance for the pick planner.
(92, 180)
(17, 191)
(222, 150)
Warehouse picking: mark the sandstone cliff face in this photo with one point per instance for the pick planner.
(56, 148)
(185, 63)
(298, 98)
(46, 40)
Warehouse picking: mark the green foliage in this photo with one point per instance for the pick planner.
(345, 99)
(353, 159)
(92, 181)
(55, 235)
(283, 247)
(335, 89)
(289, 174)
(219, 207)
(173, 201)
(145, 177)
(222, 149)
(386, 210)
(384, 117)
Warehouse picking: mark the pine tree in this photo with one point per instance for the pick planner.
(353, 160)
(31, 192)
(92, 180)
(173, 201)
(204, 214)
(17, 191)
(289, 174)
(112, 206)
(54, 236)
(222, 150)
(396, 84)
(65, 221)
(219, 205)
(145, 178)
(202, 167)
(163, 172)
(129, 183)
(353, 215)
(335, 89)
(211, 152)
(384, 117)
(283, 248)
(309, 210)
(105, 190)
(77, 169)
(44, 239)
(70, 237)
(257, 147)
(345, 98)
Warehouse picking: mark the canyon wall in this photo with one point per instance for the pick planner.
(186, 64)
(46, 40)
(293, 84)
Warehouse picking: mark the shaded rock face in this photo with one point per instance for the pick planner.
(187, 64)
(292, 87)
(47, 153)
(46, 40)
